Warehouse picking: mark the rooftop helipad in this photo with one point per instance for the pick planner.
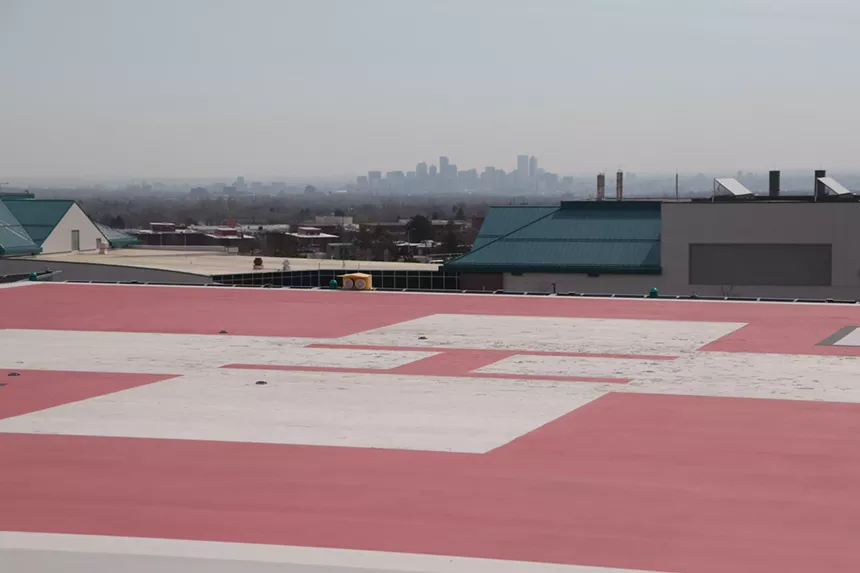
(312, 431)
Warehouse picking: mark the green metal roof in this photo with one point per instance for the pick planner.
(116, 238)
(503, 220)
(38, 216)
(577, 237)
(14, 239)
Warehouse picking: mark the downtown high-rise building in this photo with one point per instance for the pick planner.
(374, 179)
(395, 180)
(447, 170)
(522, 168)
(533, 168)
(421, 170)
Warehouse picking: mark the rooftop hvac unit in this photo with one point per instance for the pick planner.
(357, 281)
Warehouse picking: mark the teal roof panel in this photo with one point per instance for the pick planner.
(116, 238)
(583, 237)
(505, 219)
(14, 239)
(38, 216)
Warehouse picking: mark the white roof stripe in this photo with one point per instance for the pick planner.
(249, 554)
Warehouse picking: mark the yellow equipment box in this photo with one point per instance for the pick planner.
(357, 281)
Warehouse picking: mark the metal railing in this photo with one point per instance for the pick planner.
(261, 284)
(382, 279)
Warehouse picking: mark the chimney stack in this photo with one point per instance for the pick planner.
(773, 188)
(819, 186)
(601, 186)
(619, 185)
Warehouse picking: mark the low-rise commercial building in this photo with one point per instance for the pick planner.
(763, 248)
(30, 226)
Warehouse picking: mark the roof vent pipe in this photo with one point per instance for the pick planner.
(773, 188)
(820, 191)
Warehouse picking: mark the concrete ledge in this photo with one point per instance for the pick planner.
(196, 248)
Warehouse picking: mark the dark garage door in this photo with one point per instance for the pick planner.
(760, 264)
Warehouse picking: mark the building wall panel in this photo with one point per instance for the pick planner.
(60, 239)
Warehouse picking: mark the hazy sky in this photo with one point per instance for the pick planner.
(319, 87)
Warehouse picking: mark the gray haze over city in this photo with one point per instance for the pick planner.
(328, 90)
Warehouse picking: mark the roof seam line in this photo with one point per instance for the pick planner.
(553, 212)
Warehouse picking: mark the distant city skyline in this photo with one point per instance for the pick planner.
(447, 177)
(289, 88)
(489, 184)
(851, 177)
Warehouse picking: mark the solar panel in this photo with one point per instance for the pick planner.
(732, 187)
(834, 186)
